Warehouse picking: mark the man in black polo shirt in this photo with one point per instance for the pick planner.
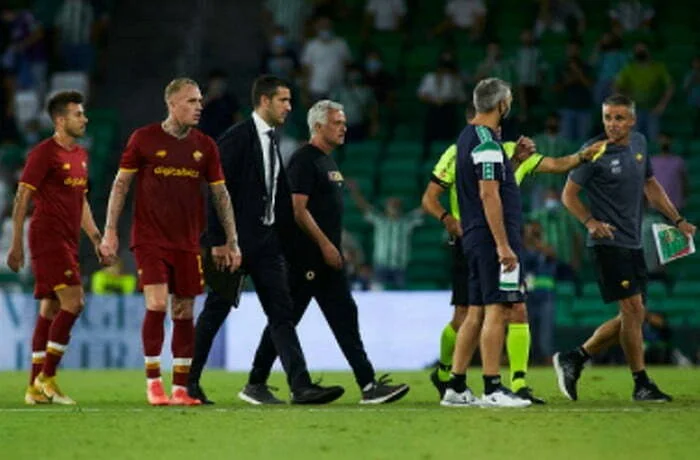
(616, 183)
(317, 270)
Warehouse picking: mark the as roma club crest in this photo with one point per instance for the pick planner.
(197, 155)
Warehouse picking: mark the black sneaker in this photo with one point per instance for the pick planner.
(258, 394)
(568, 369)
(526, 393)
(195, 391)
(650, 392)
(316, 394)
(439, 385)
(381, 392)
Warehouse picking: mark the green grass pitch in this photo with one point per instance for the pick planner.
(114, 422)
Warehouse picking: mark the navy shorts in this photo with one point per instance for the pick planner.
(484, 278)
(621, 272)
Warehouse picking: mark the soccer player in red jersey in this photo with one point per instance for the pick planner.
(170, 160)
(55, 177)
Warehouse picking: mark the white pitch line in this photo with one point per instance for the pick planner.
(94, 410)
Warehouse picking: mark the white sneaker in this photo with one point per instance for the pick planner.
(454, 399)
(503, 398)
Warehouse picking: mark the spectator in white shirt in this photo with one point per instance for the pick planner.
(529, 68)
(385, 15)
(441, 91)
(464, 15)
(74, 24)
(324, 59)
(290, 14)
(631, 15)
(559, 16)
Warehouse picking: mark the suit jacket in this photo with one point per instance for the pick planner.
(242, 163)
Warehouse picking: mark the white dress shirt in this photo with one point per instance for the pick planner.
(263, 128)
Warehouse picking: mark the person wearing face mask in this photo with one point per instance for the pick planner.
(441, 91)
(494, 65)
(525, 163)
(280, 59)
(550, 143)
(649, 83)
(574, 85)
(361, 108)
(608, 59)
(383, 85)
(529, 68)
(324, 59)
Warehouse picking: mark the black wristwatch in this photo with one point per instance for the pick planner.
(444, 214)
(678, 221)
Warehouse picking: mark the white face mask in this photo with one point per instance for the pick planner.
(551, 203)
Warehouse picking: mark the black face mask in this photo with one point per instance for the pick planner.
(641, 56)
(665, 147)
(504, 114)
(552, 129)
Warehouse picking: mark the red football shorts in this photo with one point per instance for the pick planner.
(180, 270)
(54, 271)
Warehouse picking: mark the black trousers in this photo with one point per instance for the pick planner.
(331, 290)
(267, 268)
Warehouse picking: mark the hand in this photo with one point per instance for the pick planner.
(105, 261)
(592, 150)
(507, 258)
(452, 226)
(226, 257)
(332, 256)
(687, 228)
(15, 257)
(525, 146)
(599, 230)
(109, 245)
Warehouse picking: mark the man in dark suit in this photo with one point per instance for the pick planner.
(257, 183)
(317, 271)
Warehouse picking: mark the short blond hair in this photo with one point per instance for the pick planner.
(176, 85)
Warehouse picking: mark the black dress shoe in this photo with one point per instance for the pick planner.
(316, 394)
(195, 391)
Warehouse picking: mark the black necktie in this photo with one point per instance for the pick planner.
(271, 157)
